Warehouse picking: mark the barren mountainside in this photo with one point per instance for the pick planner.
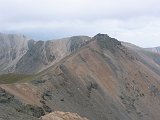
(98, 78)
(21, 55)
(12, 48)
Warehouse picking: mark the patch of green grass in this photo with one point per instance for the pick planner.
(13, 78)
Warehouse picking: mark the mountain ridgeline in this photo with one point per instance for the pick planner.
(98, 78)
(21, 55)
(155, 49)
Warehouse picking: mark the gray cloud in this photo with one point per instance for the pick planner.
(128, 20)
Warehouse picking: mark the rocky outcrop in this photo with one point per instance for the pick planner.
(4, 97)
(12, 109)
(106, 42)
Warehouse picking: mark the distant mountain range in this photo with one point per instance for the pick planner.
(155, 49)
(98, 78)
(18, 54)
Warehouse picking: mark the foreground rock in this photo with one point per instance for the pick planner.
(62, 116)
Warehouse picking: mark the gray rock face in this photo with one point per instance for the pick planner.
(20, 55)
(12, 48)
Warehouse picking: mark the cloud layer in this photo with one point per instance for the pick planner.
(135, 21)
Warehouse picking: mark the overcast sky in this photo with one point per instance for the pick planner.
(135, 21)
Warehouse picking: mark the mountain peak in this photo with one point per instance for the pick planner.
(106, 42)
(100, 35)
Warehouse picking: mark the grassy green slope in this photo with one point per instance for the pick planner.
(13, 78)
